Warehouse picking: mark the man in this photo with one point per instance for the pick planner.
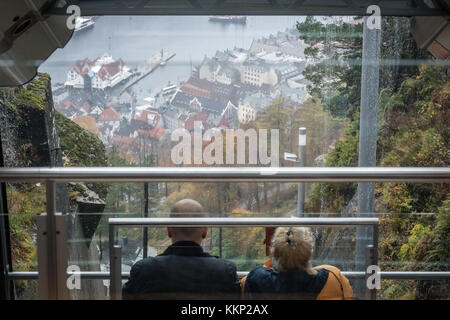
(183, 270)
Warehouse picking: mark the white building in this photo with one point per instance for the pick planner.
(59, 95)
(214, 71)
(103, 72)
(246, 113)
(257, 74)
(250, 105)
(109, 117)
(126, 98)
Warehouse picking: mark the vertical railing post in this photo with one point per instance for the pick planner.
(42, 259)
(47, 246)
(115, 267)
(145, 231)
(61, 256)
(111, 261)
(6, 286)
(301, 163)
(369, 294)
(375, 243)
(375, 254)
(371, 259)
(50, 192)
(52, 249)
(117, 275)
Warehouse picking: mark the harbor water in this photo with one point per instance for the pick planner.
(134, 39)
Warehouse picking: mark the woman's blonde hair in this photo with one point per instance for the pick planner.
(292, 248)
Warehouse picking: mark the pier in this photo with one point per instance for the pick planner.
(148, 67)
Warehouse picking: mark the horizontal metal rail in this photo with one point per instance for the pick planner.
(228, 174)
(241, 222)
(385, 275)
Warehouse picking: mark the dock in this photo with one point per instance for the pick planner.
(148, 67)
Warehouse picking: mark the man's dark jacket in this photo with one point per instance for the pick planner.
(183, 271)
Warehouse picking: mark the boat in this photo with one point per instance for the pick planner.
(168, 89)
(228, 19)
(82, 24)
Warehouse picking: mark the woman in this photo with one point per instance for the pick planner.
(291, 276)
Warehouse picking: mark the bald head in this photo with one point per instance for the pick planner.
(187, 208)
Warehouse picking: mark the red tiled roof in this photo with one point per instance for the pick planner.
(201, 116)
(67, 103)
(158, 132)
(155, 133)
(110, 69)
(144, 117)
(86, 106)
(122, 140)
(224, 123)
(197, 87)
(83, 66)
(109, 114)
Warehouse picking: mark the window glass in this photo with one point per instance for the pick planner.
(170, 90)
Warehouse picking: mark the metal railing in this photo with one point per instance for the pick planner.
(115, 257)
(227, 174)
(52, 256)
(384, 275)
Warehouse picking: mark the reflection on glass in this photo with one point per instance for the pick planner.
(171, 91)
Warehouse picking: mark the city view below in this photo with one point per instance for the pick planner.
(120, 95)
(234, 91)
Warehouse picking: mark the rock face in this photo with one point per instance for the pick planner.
(34, 134)
(28, 130)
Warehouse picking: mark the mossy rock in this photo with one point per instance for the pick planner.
(81, 148)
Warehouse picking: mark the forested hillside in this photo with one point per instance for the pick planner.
(413, 130)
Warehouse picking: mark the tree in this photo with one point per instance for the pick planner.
(335, 75)
(335, 49)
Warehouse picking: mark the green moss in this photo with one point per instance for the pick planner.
(417, 246)
(332, 197)
(33, 95)
(81, 148)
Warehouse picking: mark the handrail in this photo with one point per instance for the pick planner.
(228, 174)
(385, 275)
(241, 222)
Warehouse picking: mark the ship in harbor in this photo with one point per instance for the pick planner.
(84, 23)
(228, 19)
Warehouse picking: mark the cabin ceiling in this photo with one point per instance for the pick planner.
(254, 7)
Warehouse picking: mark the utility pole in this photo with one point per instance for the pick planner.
(367, 139)
(301, 163)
